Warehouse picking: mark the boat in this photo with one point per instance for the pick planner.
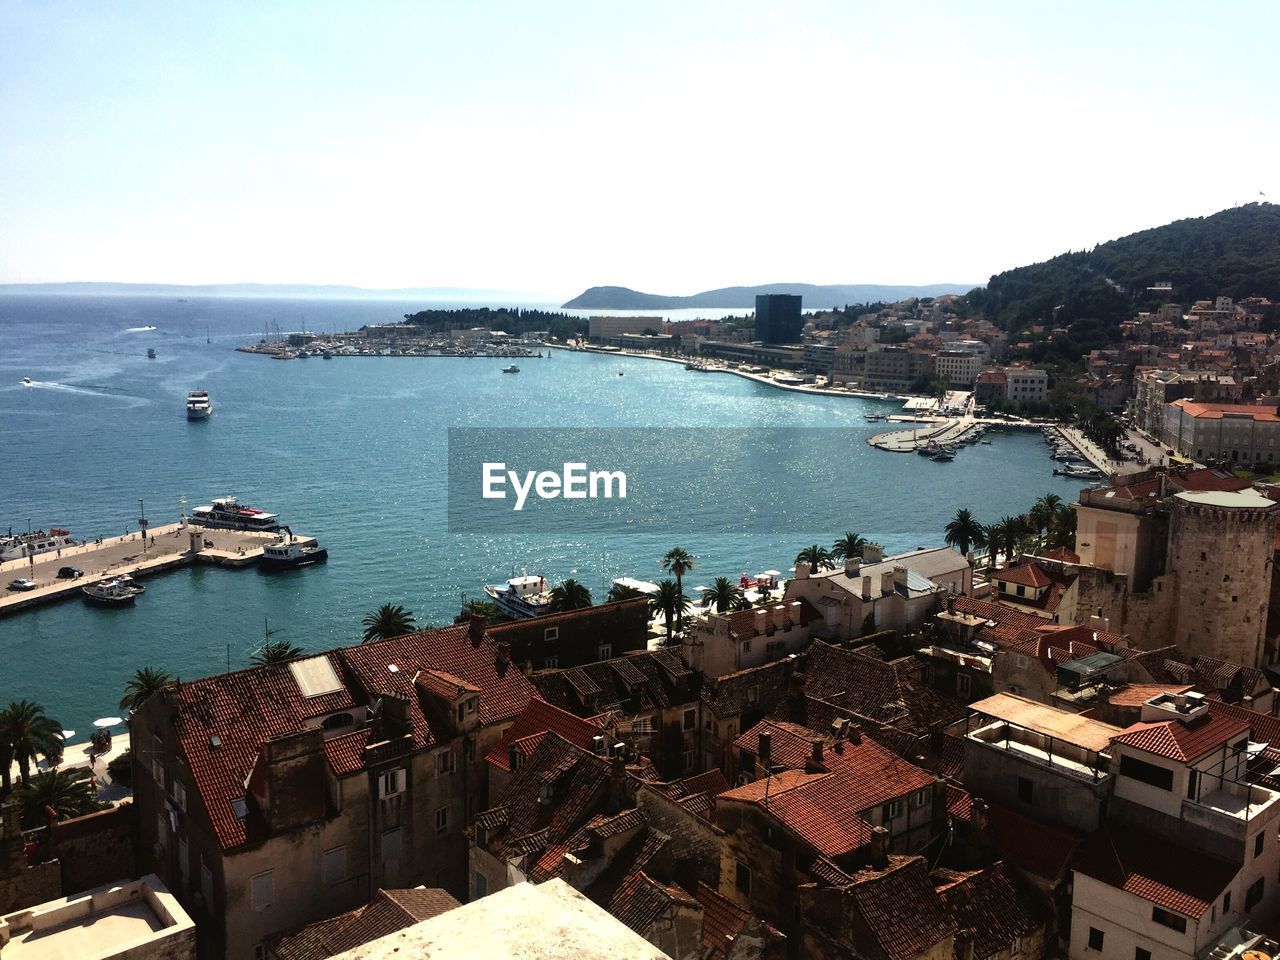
(942, 456)
(23, 545)
(512, 368)
(873, 417)
(619, 373)
(228, 513)
(111, 593)
(28, 382)
(198, 405)
(327, 354)
(151, 353)
(293, 552)
(521, 597)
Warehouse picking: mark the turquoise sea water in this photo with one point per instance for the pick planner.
(352, 451)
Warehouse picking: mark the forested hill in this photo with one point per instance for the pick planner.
(815, 296)
(1235, 253)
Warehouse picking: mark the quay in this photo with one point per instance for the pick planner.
(166, 548)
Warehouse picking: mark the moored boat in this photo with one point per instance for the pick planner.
(228, 513)
(116, 592)
(521, 597)
(23, 545)
(293, 552)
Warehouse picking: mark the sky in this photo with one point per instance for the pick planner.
(667, 147)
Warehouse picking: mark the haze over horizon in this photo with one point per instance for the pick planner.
(667, 149)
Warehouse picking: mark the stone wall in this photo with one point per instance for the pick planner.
(94, 849)
(695, 841)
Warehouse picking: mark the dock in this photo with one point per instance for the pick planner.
(165, 548)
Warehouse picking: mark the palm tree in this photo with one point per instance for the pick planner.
(742, 603)
(1062, 528)
(1003, 536)
(144, 682)
(818, 558)
(275, 652)
(670, 601)
(722, 594)
(620, 591)
(570, 595)
(28, 732)
(69, 792)
(849, 546)
(964, 531)
(387, 621)
(679, 562)
(491, 612)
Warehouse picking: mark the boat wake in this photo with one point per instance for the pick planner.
(88, 391)
(138, 329)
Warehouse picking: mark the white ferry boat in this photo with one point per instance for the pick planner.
(521, 597)
(116, 592)
(293, 552)
(33, 544)
(229, 514)
(198, 405)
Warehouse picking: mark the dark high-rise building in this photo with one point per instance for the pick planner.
(778, 318)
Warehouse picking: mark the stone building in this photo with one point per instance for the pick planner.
(575, 637)
(1240, 433)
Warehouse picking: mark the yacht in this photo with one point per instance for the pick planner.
(229, 514)
(116, 592)
(293, 552)
(512, 368)
(521, 597)
(198, 405)
(33, 544)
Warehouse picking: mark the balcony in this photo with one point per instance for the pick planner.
(1044, 750)
(1231, 809)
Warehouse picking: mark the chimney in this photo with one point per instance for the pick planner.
(765, 749)
(872, 553)
(502, 657)
(900, 575)
(817, 752)
(886, 582)
(853, 734)
(964, 944)
(597, 745)
(980, 836)
(475, 629)
(802, 571)
(866, 588)
(879, 848)
(851, 566)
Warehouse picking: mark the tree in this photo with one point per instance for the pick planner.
(570, 595)
(387, 621)
(818, 558)
(849, 546)
(1062, 529)
(144, 682)
(679, 562)
(1003, 536)
(670, 601)
(723, 594)
(275, 652)
(27, 732)
(621, 591)
(964, 531)
(69, 792)
(491, 612)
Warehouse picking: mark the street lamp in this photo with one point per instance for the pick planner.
(142, 523)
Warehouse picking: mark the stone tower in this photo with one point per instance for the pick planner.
(1220, 555)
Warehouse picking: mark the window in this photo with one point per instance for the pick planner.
(1254, 895)
(1095, 938)
(180, 796)
(1193, 784)
(442, 820)
(445, 762)
(1258, 842)
(753, 695)
(742, 878)
(157, 772)
(1015, 947)
(551, 663)
(1149, 773)
(551, 633)
(391, 783)
(1025, 790)
(335, 865)
(240, 808)
(481, 886)
(964, 683)
(690, 719)
(891, 810)
(918, 799)
(206, 886)
(259, 951)
(1020, 661)
(162, 827)
(471, 705)
(391, 847)
(260, 891)
(746, 646)
(688, 760)
(1226, 903)
(1170, 920)
(605, 651)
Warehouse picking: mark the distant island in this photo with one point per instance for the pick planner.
(815, 296)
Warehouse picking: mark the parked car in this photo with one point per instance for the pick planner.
(70, 573)
(22, 584)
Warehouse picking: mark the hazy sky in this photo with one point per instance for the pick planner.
(667, 147)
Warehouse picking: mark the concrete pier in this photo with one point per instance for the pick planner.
(166, 547)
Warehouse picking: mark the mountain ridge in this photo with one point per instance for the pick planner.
(815, 295)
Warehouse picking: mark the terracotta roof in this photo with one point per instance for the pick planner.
(757, 621)
(1181, 740)
(346, 753)
(1002, 615)
(1026, 574)
(1136, 694)
(1038, 848)
(1157, 869)
(1067, 727)
(534, 720)
(641, 681)
(1263, 727)
(722, 921)
(1175, 482)
(1061, 554)
(1216, 411)
(732, 695)
(387, 912)
(883, 898)
(791, 744)
(995, 906)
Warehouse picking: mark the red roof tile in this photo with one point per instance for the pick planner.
(1136, 694)
(1180, 740)
(722, 921)
(883, 898)
(346, 753)
(537, 718)
(995, 906)
(1027, 574)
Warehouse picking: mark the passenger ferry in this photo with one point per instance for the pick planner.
(229, 514)
(198, 405)
(293, 552)
(33, 544)
(521, 597)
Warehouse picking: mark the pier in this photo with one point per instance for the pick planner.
(165, 548)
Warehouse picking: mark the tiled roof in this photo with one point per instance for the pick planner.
(346, 753)
(884, 897)
(722, 921)
(995, 906)
(1061, 554)
(1035, 847)
(1176, 482)
(1136, 694)
(389, 911)
(1002, 615)
(642, 681)
(1180, 740)
(535, 719)
(1216, 411)
(1026, 574)
(759, 620)
(640, 900)
(1263, 727)
(791, 746)
(1157, 869)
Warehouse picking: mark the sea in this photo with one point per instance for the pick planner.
(353, 452)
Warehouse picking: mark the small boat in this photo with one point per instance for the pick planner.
(619, 373)
(151, 353)
(511, 369)
(327, 354)
(28, 382)
(942, 456)
(293, 552)
(873, 417)
(111, 593)
(198, 405)
(984, 441)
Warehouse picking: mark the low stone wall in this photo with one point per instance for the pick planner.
(94, 849)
